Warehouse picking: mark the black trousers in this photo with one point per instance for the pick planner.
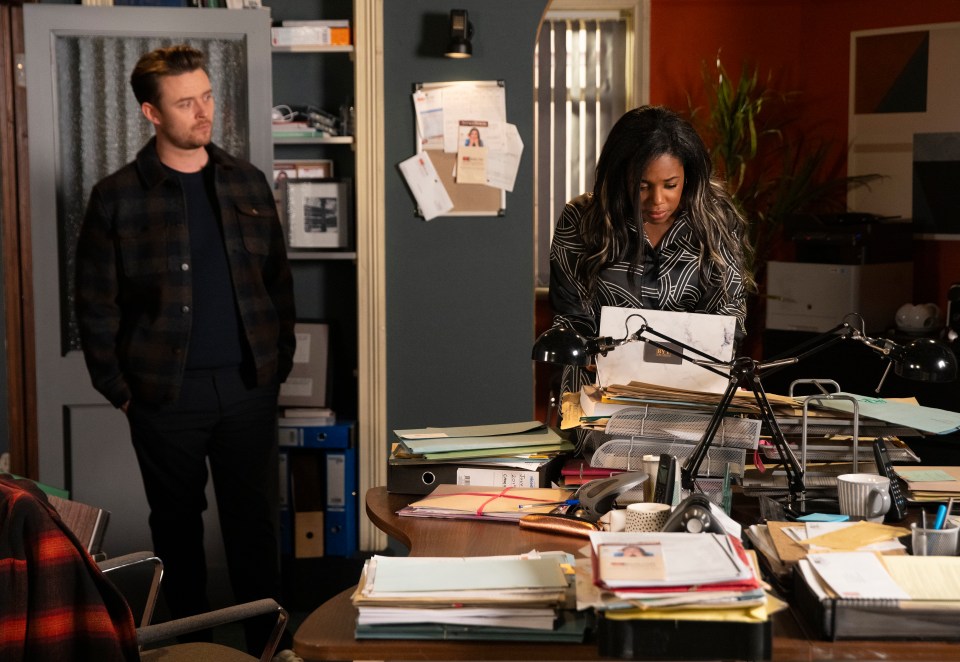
(217, 418)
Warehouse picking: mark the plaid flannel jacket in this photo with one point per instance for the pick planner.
(133, 277)
(55, 604)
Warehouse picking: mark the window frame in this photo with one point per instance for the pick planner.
(637, 15)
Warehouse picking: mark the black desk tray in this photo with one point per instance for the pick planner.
(683, 640)
(835, 619)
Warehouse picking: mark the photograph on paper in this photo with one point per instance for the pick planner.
(317, 213)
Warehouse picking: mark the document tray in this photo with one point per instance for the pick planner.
(835, 618)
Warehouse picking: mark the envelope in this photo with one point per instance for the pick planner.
(496, 501)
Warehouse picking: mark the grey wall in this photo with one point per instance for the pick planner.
(459, 289)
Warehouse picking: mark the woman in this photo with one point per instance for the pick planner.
(658, 231)
(473, 138)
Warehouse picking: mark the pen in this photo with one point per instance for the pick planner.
(941, 517)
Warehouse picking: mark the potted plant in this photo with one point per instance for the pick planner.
(776, 174)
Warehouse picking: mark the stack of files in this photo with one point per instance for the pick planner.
(820, 480)
(527, 454)
(840, 449)
(294, 130)
(578, 471)
(823, 423)
(641, 393)
(486, 503)
(930, 483)
(478, 441)
(784, 544)
(861, 595)
(688, 596)
(904, 412)
(518, 598)
(292, 416)
(593, 408)
(651, 572)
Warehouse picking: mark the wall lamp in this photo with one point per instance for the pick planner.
(922, 360)
(461, 31)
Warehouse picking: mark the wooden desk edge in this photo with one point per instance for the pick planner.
(331, 626)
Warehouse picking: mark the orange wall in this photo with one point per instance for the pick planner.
(805, 46)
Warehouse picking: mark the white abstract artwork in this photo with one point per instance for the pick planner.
(642, 362)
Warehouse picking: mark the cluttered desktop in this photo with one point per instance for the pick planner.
(700, 517)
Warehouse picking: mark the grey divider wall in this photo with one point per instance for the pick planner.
(459, 289)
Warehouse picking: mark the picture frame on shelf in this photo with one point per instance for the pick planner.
(301, 169)
(318, 213)
(308, 384)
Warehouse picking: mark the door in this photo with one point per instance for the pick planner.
(84, 123)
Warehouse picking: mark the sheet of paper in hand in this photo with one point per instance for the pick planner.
(641, 361)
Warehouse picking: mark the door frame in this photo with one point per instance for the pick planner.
(16, 249)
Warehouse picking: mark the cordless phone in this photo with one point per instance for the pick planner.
(666, 478)
(898, 500)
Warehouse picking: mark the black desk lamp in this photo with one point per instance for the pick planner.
(922, 360)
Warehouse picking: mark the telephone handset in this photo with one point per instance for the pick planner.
(898, 500)
(693, 515)
(666, 479)
(597, 496)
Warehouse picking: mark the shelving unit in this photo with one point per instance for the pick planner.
(332, 140)
(325, 280)
(313, 49)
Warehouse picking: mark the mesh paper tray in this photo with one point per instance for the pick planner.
(628, 454)
(679, 425)
(841, 451)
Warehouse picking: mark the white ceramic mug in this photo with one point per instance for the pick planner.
(614, 519)
(647, 516)
(918, 317)
(864, 495)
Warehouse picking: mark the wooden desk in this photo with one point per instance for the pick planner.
(327, 634)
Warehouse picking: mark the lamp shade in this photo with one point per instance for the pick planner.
(563, 345)
(461, 32)
(926, 360)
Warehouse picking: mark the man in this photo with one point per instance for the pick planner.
(185, 306)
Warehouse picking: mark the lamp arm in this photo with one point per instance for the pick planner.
(791, 465)
(745, 370)
(810, 347)
(602, 345)
(690, 468)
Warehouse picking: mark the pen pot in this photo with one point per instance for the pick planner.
(934, 542)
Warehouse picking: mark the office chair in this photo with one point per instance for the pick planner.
(33, 534)
(88, 523)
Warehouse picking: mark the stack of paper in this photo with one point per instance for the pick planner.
(929, 483)
(860, 595)
(490, 503)
(864, 575)
(577, 471)
(784, 544)
(486, 597)
(525, 454)
(478, 441)
(672, 575)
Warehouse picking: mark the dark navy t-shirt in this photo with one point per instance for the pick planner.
(215, 338)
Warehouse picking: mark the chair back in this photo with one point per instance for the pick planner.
(88, 523)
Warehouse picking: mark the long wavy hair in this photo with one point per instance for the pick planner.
(637, 139)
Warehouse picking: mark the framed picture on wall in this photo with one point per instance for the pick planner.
(309, 380)
(318, 213)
